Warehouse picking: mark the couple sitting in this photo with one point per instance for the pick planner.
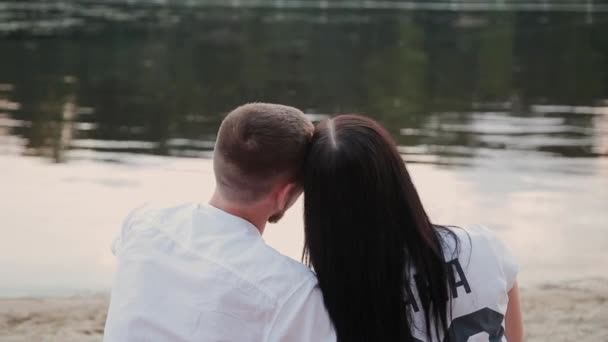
(382, 270)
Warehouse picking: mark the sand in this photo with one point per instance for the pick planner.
(573, 311)
(53, 319)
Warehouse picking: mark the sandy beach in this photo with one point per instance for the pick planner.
(573, 311)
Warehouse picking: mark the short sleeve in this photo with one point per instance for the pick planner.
(121, 237)
(302, 317)
(508, 261)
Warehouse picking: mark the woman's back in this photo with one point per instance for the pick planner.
(387, 273)
(482, 272)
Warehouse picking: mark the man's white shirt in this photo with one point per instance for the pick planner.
(197, 273)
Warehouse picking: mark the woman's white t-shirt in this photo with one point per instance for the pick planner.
(484, 271)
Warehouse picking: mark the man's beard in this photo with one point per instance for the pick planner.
(276, 217)
(293, 197)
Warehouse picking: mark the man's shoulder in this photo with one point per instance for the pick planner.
(289, 266)
(275, 274)
(152, 212)
(245, 258)
(133, 221)
(156, 216)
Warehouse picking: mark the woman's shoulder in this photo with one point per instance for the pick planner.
(466, 236)
(482, 237)
(479, 243)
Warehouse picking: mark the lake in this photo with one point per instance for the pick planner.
(501, 116)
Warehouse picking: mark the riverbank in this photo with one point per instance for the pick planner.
(573, 311)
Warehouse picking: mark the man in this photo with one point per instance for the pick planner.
(203, 272)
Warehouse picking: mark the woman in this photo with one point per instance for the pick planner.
(387, 273)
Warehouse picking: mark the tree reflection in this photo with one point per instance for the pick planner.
(163, 82)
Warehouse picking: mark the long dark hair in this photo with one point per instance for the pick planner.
(366, 231)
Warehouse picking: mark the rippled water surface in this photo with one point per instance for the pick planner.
(502, 117)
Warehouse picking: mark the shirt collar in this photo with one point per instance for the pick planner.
(236, 221)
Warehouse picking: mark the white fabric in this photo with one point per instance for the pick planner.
(490, 271)
(197, 273)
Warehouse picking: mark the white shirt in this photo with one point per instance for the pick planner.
(484, 271)
(197, 273)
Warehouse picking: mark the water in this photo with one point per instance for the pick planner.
(502, 117)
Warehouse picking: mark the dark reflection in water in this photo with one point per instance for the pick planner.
(108, 81)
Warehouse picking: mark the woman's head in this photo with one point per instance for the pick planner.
(365, 228)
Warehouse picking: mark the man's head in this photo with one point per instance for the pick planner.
(259, 156)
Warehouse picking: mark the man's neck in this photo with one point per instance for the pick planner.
(248, 213)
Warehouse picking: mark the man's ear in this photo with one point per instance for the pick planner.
(288, 195)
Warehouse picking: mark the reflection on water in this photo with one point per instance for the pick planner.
(157, 81)
(507, 109)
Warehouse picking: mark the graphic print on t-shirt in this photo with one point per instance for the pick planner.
(479, 288)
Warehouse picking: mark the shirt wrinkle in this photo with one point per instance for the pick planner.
(196, 273)
(281, 306)
(214, 261)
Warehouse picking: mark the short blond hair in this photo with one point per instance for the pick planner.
(257, 145)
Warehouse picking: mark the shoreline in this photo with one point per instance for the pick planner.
(560, 312)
